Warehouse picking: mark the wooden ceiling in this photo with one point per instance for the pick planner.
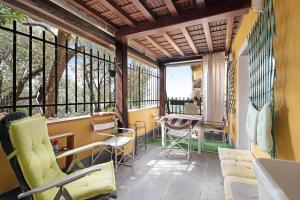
(170, 28)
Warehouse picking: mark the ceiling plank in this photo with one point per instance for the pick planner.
(80, 6)
(230, 21)
(158, 46)
(218, 11)
(207, 36)
(171, 7)
(189, 40)
(142, 48)
(173, 44)
(200, 3)
(113, 7)
(141, 7)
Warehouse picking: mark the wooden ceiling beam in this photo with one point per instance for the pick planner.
(171, 7)
(142, 48)
(82, 7)
(189, 40)
(173, 44)
(141, 7)
(216, 12)
(207, 36)
(113, 7)
(181, 59)
(158, 46)
(230, 21)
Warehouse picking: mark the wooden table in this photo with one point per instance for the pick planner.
(180, 119)
(70, 145)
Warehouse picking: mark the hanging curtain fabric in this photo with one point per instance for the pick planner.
(214, 86)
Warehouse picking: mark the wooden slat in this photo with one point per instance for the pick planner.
(200, 3)
(174, 45)
(113, 7)
(140, 6)
(218, 11)
(207, 36)
(189, 40)
(142, 48)
(83, 8)
(230, 21)
(158, 46)
(171, 7)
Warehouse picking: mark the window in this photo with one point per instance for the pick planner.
(143, 85)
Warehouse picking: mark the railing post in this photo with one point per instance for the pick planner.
(162, 89)
(121, 82)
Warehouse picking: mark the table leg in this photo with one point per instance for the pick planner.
(200, 136)
(163, 134)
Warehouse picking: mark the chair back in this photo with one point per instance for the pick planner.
(191, 109)
(8, 148)
(103, 126)
(185, 126)
(34, 152)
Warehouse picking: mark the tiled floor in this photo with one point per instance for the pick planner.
(155, 177)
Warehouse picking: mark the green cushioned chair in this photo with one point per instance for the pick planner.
(37, 162)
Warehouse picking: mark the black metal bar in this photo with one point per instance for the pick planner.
(83, 78)
(139, 86)
(44, 72)
(98, 81)
(30, 70)
(14, 57)
(66, 73)
(91, 83)
(104, 82)
(76, 79)
(55, 74)
(109, 79)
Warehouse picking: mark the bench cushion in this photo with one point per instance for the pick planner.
(237, 168)
(242, 188)
(235, 154)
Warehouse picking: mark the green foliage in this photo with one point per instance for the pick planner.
(7, 15)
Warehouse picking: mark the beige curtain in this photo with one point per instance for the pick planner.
(214, 86)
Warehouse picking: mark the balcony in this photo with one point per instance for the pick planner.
(90, 67)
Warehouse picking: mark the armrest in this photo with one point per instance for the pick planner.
(128, 130)
(61, 182)
(79, 149)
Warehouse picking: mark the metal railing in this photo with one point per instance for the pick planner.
(88, 75)
(143, 86)
(176, 105)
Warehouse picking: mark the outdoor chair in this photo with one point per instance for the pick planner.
(179, 136)
(119, 142)
(156, 124)
(191, 109)
(30, 153)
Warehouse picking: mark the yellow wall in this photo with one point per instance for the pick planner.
(145, 114)
(287, 96)
(197, 71)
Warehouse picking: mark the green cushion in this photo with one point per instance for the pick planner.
(36, 158)
(264, 128)
(251, 122)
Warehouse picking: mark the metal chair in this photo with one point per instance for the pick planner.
(191, 109)
(116, 142)
(178, 136)
(156, 124)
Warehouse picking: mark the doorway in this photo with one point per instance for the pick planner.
(243, 140)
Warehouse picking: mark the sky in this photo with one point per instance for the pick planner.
(179, 81)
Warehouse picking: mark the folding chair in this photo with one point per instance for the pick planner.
(117, 142)
(30, 153)
(178, 136)
(156, 124)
